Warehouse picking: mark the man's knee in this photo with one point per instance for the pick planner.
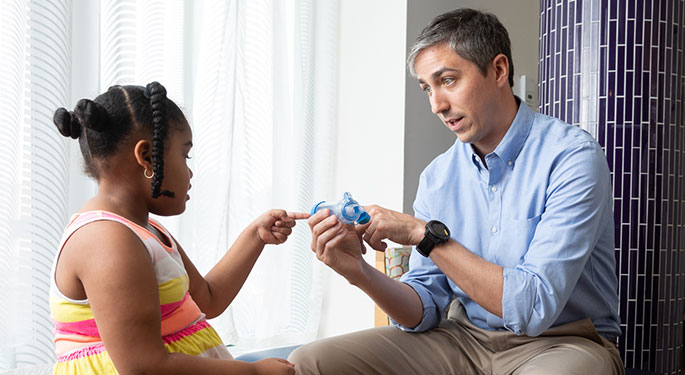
(304, 359)
(314, 358)
(561, 370)
(575, 356)
(354, 353)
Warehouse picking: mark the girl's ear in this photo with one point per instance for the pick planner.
(143, 154)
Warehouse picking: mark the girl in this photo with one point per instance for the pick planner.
(124, 296)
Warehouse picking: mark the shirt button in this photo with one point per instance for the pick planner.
(493, 189)
(509, 163)
(493, 229)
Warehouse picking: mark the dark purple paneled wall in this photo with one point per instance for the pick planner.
(616, 68)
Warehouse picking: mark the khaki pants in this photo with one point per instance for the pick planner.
(459, 347)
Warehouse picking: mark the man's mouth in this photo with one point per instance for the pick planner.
(454, 123)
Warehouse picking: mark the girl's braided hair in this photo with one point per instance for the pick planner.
(104, 124)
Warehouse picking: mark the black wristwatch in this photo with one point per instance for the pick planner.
(436, 232)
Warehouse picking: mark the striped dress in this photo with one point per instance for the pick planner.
(184, 328)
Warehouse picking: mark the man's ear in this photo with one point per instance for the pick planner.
(143, 154)
(501, 67)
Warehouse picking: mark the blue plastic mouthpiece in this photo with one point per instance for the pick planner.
(347, 210)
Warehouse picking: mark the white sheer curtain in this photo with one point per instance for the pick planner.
(35, 75)
(257, 80)
(264, 121)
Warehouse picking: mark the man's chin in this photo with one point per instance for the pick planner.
(463, 137)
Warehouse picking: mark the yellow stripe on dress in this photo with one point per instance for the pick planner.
(69, 312)
(195, 343)
(99, 364)
(173, 290)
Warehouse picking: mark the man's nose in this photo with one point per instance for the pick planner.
(439, 102)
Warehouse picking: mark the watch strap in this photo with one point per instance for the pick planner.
(426, 245)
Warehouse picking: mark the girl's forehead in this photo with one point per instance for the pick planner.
(180, 130)
(178, 123)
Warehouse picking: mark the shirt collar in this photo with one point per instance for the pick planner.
(511, 144)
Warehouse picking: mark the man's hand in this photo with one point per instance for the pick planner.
(340, 247)
(337, 245)
(395, 226)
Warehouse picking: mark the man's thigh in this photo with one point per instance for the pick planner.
(388, 350)
(558, 355)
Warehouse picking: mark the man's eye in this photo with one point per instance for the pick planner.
(426, 89)
(448, 81)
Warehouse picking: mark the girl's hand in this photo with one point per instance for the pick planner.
(274, 366)
(274, 226)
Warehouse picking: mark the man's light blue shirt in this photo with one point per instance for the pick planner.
(542, 209)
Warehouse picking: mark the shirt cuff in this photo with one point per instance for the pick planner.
(515, 294)
(430, 318)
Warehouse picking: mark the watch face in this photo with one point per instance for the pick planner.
(440, 229)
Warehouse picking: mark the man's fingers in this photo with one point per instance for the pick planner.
(327, 238)
(327, 235)
(338, 236)
(363, 227)
(378, 246)
(324, 225)
(318, 217)
(375, 239)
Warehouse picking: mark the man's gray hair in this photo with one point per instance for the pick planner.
(474, 35)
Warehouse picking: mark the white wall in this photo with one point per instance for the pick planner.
(370, 139)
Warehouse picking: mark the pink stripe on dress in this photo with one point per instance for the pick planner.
(85, 352)
(83, 327)
(185, 332)
(180, 318)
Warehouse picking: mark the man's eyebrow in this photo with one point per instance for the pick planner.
(439, 72)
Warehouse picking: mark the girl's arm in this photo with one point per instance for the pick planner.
(119, 280)
(214, 292)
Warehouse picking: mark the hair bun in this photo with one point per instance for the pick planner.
(154, 88)
(92, 115)
(67, 124)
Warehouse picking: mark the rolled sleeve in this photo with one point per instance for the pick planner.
(431, 316)
(536, 291)
(432, 287)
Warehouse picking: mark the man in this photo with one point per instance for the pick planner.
(514, 221)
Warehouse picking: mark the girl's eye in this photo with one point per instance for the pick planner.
(188, 157)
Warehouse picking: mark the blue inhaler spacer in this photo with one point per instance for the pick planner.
(347, 210)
